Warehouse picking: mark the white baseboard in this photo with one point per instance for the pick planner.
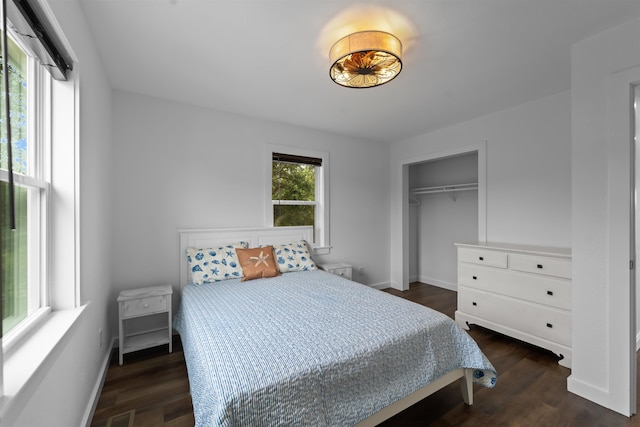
(595, 394)
(422, 279)
(97, 388)
(382, 285)
(438, 283)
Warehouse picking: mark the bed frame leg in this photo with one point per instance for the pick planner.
(466, 385)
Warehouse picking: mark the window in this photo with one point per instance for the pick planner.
(293, 189)
(298, 191)
(22, 250)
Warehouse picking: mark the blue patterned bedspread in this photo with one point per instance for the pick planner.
(312, 349)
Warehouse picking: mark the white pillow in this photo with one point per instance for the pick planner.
(208, 265)
(294, 256)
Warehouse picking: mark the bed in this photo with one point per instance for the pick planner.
(308, 348)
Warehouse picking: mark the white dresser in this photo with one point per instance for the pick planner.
(520, 291)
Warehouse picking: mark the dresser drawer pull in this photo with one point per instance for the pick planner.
(550, 293)
(146, 305)
(549, 325)
(539, 266)
(481, 258)
(475, 277)
(474, 303)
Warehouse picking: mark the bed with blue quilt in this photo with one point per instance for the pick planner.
(309, 348)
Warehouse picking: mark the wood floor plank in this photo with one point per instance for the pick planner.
(531, 388)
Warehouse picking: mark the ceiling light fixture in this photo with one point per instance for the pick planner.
(365, 59)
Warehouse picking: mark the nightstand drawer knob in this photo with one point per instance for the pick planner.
(146, 305)
(474, 303)
(481, 258)
(539, 265)
(550, 293)
(475, 277)
(549, 325)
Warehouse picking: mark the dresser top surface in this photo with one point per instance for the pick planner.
(511, 247)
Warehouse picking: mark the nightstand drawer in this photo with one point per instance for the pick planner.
(344, 272)
(143, 306)
(338, 268)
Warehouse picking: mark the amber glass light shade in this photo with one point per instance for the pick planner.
(365, 59)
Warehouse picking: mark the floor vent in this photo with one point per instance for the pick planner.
(122, 420)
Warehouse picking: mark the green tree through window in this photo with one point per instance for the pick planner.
(14, 242)
(293, 190)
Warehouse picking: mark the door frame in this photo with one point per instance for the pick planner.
(621, 222)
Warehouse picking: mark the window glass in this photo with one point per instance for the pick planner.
(14, 260)
(291, 215)
(293, 192)
(20, 247)
(17, 107)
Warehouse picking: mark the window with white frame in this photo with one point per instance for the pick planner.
(299, 191)
(23, 248)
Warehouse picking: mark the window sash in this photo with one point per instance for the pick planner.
(36, 202)
(36, 180)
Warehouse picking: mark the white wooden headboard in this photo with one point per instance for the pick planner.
(255, 236)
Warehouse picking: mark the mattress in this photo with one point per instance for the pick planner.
(312, 349)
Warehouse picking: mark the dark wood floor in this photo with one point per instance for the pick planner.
(152, 388)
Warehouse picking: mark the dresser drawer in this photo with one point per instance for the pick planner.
(540, 289)
(540, 265)
(483, 257)
(142, 306)
(543, 322)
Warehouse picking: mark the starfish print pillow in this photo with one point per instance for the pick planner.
(257, 263)
(294, 256)
(210, 265)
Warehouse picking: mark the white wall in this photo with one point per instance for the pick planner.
(64, 396)
(602, 336)
(528, 173)
(178, 166)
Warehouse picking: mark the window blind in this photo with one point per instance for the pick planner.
(29, 21)
(302, 160)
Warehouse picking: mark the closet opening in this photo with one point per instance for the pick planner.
(443, 210)
(444, 203)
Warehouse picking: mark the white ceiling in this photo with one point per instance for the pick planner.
(269, 58)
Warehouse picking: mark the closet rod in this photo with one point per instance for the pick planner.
(445, 188)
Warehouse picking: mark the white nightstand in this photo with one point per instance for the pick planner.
(141, 302)
(338, 268)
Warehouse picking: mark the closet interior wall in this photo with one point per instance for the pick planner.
(440, 217)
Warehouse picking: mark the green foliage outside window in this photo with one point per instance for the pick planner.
(14, 259)
(292, 181)
(17, 107)
(14, 242)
